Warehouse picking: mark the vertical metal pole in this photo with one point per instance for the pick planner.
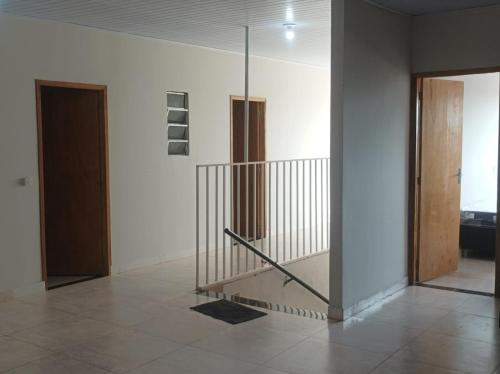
(223, 221)
(197, 227)
(207, 223)
(246, 133)
(247, 106)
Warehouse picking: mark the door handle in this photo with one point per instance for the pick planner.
(459, 176)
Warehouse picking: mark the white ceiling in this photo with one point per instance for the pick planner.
(419, 7)
(209, 23)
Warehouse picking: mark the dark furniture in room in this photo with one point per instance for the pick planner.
(477, 234)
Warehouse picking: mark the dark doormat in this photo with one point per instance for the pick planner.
(228, 311)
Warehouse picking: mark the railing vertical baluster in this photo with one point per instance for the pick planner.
(238, 218)
(284, 211)
(321, 204)
(254, 213)
(328, 203)
(269, 221)
(262, 204)
(246, 213)
(303, 207)
(197, 227)
(216, 223)
(316, 203)
(276, 265)
(207, 224)
(290, 211)
(297, 207)
(223, 221)
(231, 217)
(310, 206)
(277, 211)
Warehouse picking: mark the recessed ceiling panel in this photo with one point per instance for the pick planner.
(209, 23)
(420, 7)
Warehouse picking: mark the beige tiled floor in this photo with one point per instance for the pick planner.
(472, 274)
(140, 323)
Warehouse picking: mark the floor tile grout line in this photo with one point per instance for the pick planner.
(49, 353)
(261, 364)
(287, 349)
(180, 347)
(427, 363)
(399, 350)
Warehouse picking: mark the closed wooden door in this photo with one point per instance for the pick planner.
(251, 205)
(441, 159)
(74, 181)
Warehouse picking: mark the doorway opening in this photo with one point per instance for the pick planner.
(249, 180)
(73, 180)
(453, 189)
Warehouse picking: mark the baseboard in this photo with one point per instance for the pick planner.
(6, 295)
(116, 269)
(341, 314)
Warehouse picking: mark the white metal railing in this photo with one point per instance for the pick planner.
(282, 207)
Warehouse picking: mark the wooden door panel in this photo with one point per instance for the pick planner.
(441, 158)
(256, 174)
(73, 181)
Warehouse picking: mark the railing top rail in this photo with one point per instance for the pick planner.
(261, 162)
(275, 264)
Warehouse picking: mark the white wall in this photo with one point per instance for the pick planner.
(375, 123)
(152, 194)
(480, 142)
(457, 40)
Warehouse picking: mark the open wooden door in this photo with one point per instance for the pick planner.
(251, 194)
(440, 172)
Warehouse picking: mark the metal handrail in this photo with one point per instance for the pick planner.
(262, 162)
(275, 264)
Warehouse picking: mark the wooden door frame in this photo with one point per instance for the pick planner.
(102, 90)
(414, 166)
(233, 98)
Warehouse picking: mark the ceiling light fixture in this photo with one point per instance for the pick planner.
(289, 14)
(289, 30)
